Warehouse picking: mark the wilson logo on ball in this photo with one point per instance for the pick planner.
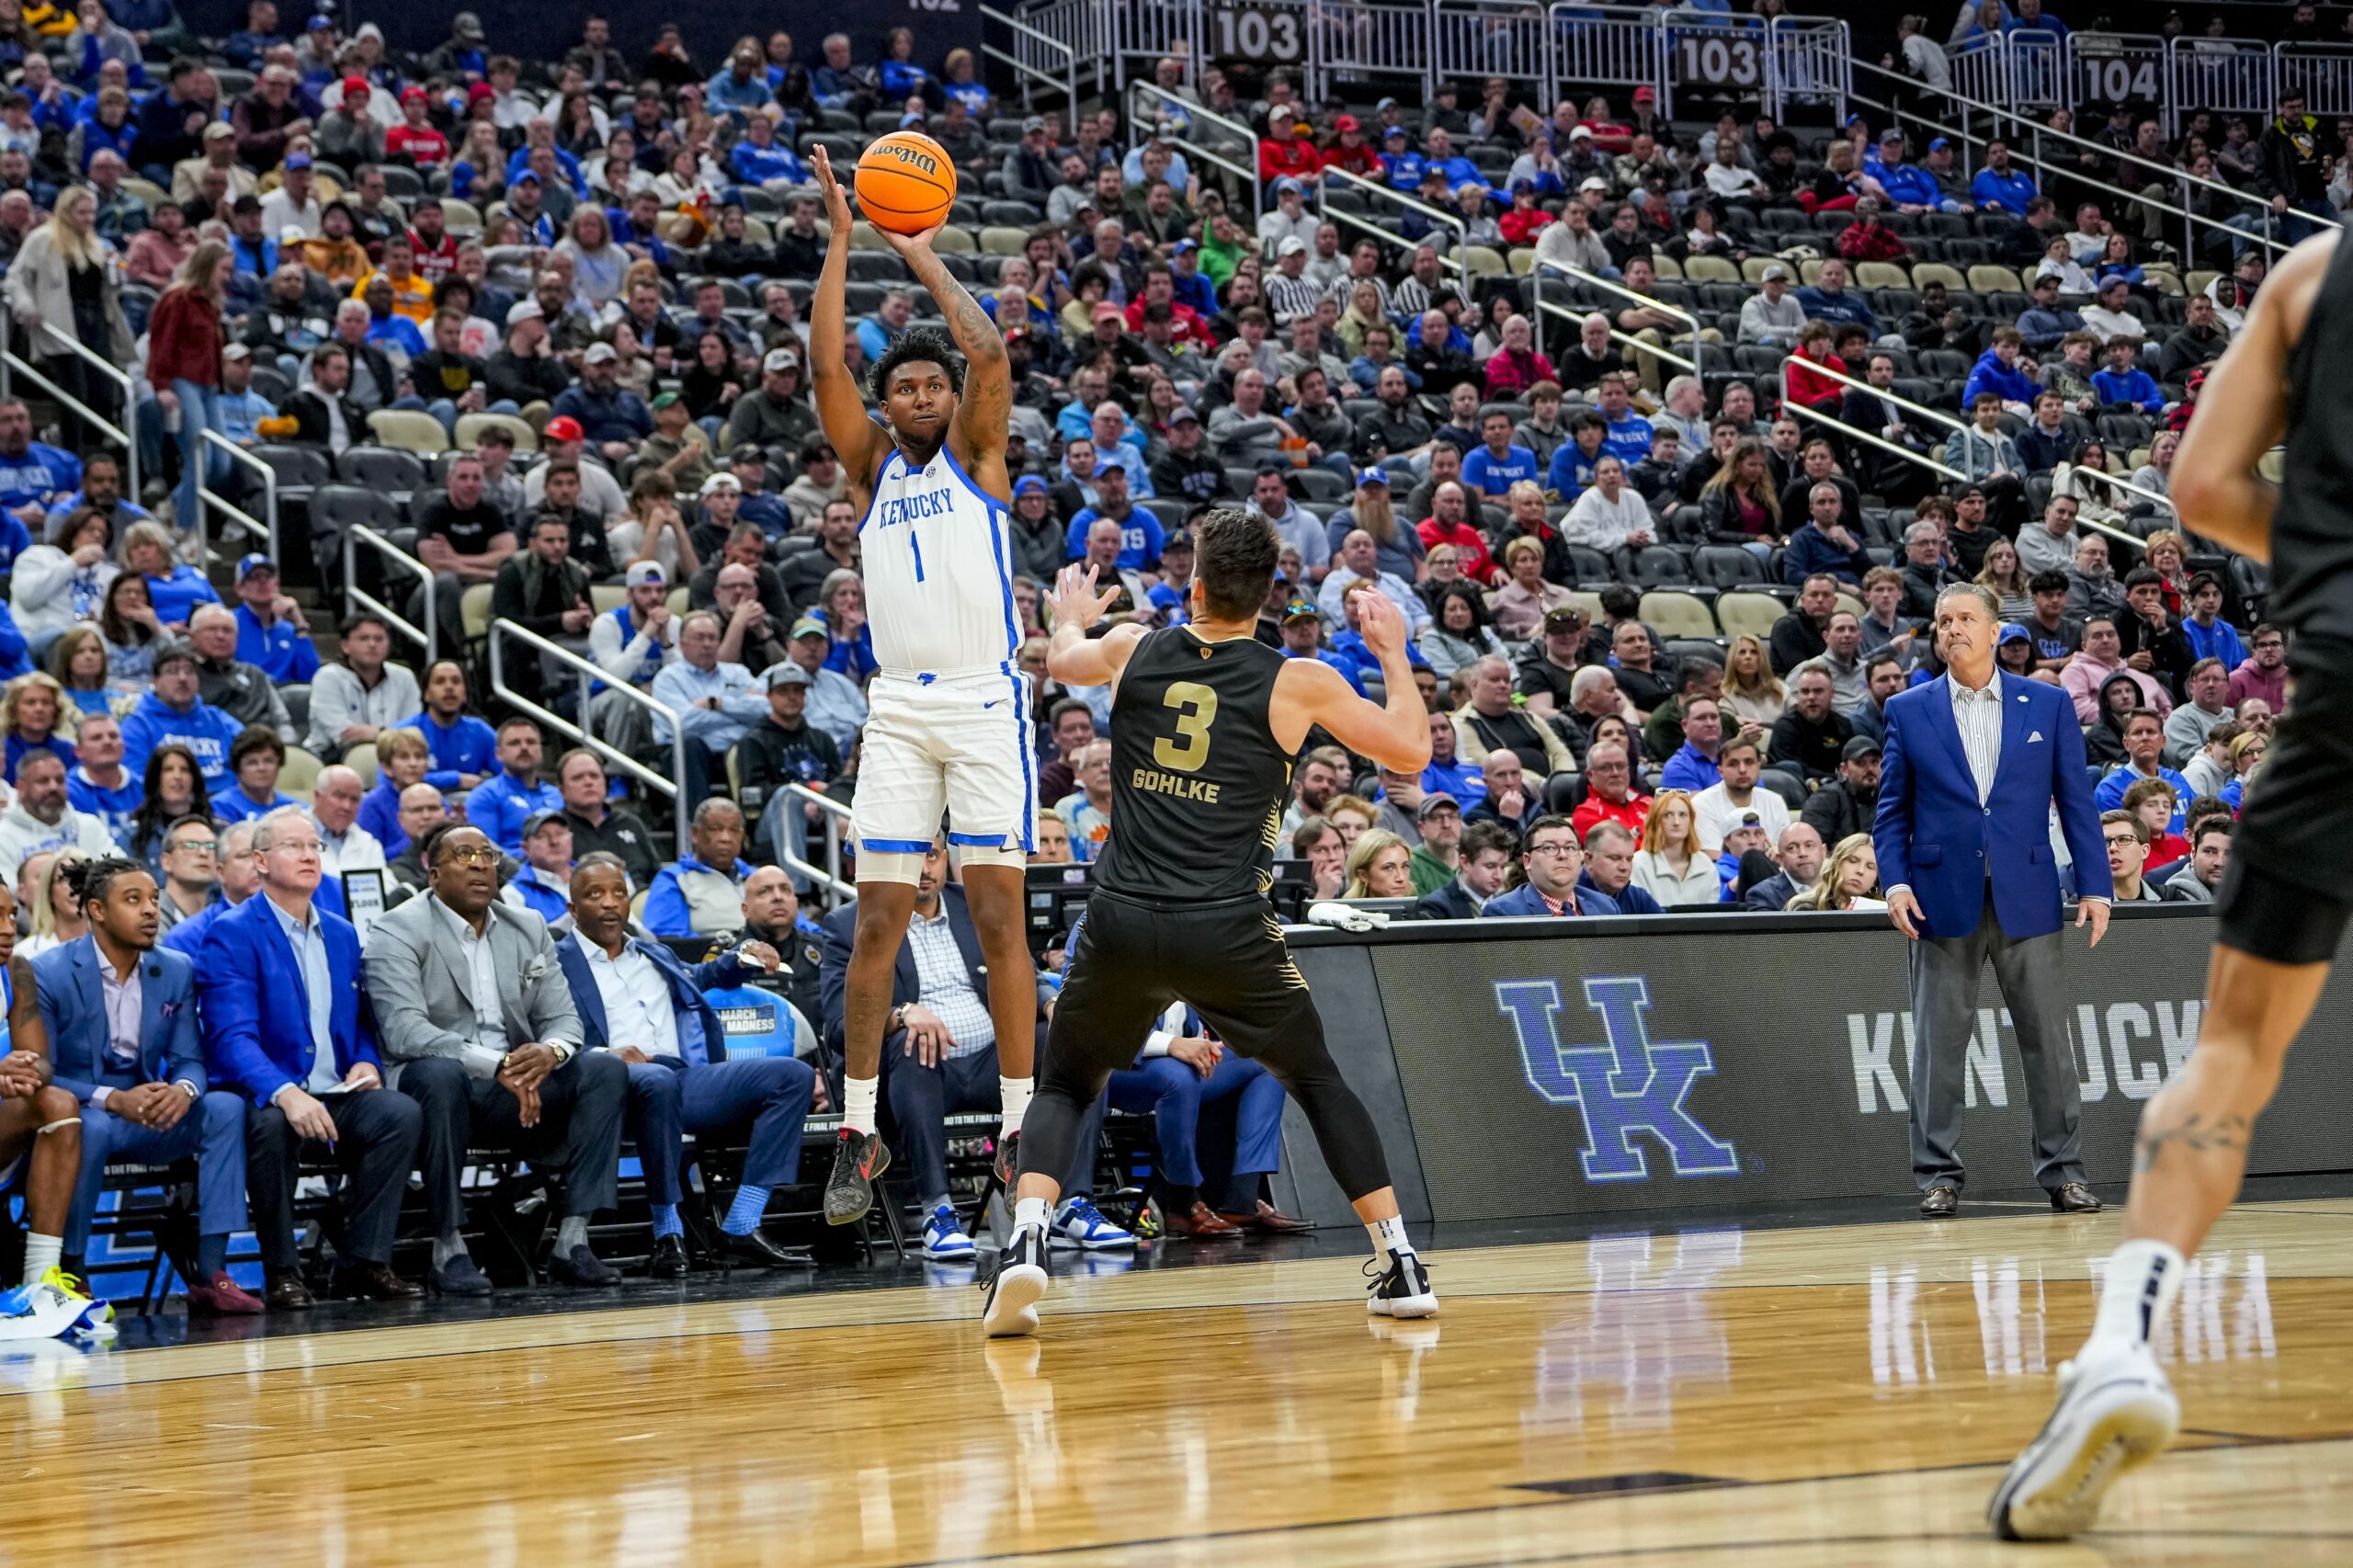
(905, 183)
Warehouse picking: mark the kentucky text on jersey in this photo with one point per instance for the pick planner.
(913, 508)
(1175, 784)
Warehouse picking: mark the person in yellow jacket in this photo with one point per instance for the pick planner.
(412, 295)
(342, 259)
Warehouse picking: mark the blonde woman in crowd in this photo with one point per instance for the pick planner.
(1752, 691)
(1851, 881)
(52, 918)
(1380, 865)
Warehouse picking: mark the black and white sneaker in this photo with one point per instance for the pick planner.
(858, 1159)
(1401, 1289)
(1019, 1285)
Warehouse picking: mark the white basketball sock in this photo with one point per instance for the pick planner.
(857, 1103)
(1389, 1235)
(2142, 1278)
(41, 1254)
(1031, 1213)
(1015, 1094)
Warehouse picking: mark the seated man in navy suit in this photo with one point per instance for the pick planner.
(1553, 858)
(1179, 1077)
(122, 1019)
(287, 1025)
(939, 1055)
(638, 1002)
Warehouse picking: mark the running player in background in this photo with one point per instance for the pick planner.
(2283, 904)
(949, 730)
(1205, 720)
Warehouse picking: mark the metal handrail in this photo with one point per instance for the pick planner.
(1854, 433)
(591, 676)
(117, 434)
(358, 534)
(264, 528)
(1461, 261)
(1940, 416)
(1541, 265)
(837, 820)
(1024, 70)
(1997, 113)
(1200, 150)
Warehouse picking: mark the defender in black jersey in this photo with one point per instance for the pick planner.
(2283, 904)
(1205, 721)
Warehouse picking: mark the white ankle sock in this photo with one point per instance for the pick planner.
(1389, 1235)
(1015, 1094)
(1031, 1213)
(857, 1103)
(2142, 1278)
(41, 1254)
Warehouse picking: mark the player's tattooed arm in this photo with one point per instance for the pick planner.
(2197, 1134)
(986, 406)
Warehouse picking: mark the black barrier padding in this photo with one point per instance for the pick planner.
(1358, 1037)
(1757, 1061)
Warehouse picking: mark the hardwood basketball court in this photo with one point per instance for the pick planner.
(1837, 1395)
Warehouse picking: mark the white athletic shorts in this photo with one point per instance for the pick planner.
(958, 745)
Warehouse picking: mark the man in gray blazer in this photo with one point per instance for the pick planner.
(475, 1012)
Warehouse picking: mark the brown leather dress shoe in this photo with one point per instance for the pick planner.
(287, 1293)
(1268, 1221)
(1940, 1202)
(375, 1282)
(222, 1297)
(1201, 1221)
(2074, 1199)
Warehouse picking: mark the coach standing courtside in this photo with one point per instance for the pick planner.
(1972, 766)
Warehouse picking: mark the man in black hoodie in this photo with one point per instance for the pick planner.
(2291, 168)
(782, 749)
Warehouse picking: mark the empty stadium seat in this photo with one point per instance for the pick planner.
(1750, 614)
(1673, 614)
(408, 430)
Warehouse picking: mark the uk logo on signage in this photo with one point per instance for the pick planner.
(1629, 1085)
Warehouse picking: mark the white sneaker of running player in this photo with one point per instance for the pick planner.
(1401, 1289)
(2116, 1412)
(1019, 1285)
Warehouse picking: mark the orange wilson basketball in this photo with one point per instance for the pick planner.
(905, 183)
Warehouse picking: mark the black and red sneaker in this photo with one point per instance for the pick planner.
(858, 1159)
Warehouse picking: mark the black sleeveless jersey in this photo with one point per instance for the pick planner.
(1198, 780)
(2311, 524)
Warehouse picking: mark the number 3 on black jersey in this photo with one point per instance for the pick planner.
(1196, 707)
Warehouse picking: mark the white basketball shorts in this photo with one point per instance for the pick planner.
(955, 745)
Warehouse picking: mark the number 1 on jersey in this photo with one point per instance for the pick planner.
(916, 545)
(1196, 707)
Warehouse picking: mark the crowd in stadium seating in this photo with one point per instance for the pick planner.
(1667, 550)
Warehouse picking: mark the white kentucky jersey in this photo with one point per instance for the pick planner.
(938, 567)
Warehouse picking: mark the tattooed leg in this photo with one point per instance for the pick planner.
(2192, 1149)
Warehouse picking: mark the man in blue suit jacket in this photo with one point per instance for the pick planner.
(121, 1020)
(287, 1024)
(1972, 767)
(638, 1002)
(1553, 858)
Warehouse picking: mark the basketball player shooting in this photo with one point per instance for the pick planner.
(2284, 903)
(948, 726)
(1205, 721)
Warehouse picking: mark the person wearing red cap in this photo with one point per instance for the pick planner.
(1348, 151)
(348, 133)
(414, 141)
